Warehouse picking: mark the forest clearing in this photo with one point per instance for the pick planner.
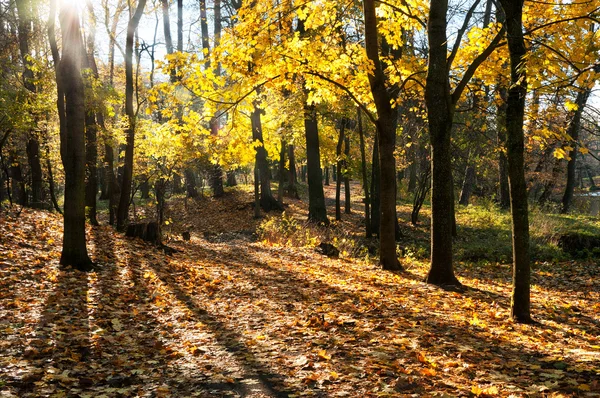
(230, 314)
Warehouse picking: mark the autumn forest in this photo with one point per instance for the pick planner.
(233, 198)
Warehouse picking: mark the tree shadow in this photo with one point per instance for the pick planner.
(472, 344)
(230, 340)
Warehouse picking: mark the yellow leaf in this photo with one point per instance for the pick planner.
(323, 355)
(570, 106)
(584, 387)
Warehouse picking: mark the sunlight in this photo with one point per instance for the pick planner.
(69, 5)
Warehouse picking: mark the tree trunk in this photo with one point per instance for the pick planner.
(347, 204)
(167, 34)
(91, 160)
(375, 188)
(51, 183)
(317, 211)
(440, 114)
(386, 131)
(573, 131)
(327, 175)
(267, 201)
(365, 181)
(190, 183)
(17, 183)
(339, 166)
(504, 194)
(231, 181)
(124, 199)
(467, 186)
(280, 187)
(24, 10)
(520, 302)
(74, 251)
(292, 188)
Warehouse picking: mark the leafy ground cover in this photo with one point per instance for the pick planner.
(236, 314)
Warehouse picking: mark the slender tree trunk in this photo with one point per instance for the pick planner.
(365, 181)
(267, 201)
(338, 181)
(317, 211)
(520, 303)
(327, 175)
(347, 204)
(440, 113)
(386, 131)
(91, 160)
(24, 10)
(124, 199)
(280, 188)
(74, 251)
(292, 188)
(190, 183)
(504, 194)
(467, 186)
(375, 188)
(51, 183)
(573, 131)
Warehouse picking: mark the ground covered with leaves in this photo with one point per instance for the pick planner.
(233, 314)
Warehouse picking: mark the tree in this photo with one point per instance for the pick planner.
(124, 200)
(515, 110)
(386, 131)
(74, 251)
(25, 9)
(441, 104)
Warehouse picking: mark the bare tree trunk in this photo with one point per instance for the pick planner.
(386, 130)
(338, 180)
(440, 113)
(467, 186)
(281, 172)
(292, 188)
(365, 181)
(504, 193)
(375, 188)
(317, 212)
(520, 302)
(74, 251)
(267, 201)
(124, 200)
(347, 204)
(24, 10)
(573, 131)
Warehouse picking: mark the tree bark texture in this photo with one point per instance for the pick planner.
(440, 113)
(520, 302)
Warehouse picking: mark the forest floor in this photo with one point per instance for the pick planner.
(231, 315)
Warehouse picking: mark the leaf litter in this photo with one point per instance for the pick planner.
(237, 317)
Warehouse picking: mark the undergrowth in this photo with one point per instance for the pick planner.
(484, 235)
